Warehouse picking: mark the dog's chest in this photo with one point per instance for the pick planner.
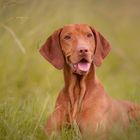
(89, 114)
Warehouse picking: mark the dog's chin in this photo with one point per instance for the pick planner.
(81, 68)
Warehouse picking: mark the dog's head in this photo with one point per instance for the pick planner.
(77, 45)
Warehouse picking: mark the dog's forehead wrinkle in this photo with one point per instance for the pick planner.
(75, 28)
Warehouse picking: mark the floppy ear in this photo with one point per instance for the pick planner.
(51, 50)
(102, 47)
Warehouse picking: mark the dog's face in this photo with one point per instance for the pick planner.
(78, 45)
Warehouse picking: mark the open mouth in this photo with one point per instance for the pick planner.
(82, 66)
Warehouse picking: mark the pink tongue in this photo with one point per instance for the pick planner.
(83, 66)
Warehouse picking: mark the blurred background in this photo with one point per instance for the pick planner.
(29, 85)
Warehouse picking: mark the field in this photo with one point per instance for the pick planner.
(29, 85)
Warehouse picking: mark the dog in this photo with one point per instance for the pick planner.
(78, 49)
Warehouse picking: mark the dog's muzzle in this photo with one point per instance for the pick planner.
(82, 67)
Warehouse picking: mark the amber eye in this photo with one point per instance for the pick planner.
(89, 35)
(67, 37)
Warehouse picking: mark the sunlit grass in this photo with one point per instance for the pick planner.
(29, 85)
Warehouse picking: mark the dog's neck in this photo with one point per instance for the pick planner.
(77, 86)
(75, 80)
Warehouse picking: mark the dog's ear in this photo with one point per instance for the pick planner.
(51, 50)
(102, 47)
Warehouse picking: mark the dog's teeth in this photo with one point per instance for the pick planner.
(74, 65)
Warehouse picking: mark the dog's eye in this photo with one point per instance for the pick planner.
(89, 35)
(67, 37)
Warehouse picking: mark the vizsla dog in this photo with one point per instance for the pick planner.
(78, 49)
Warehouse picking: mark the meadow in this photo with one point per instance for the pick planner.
(29, 85)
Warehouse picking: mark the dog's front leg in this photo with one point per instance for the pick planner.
(55, 121)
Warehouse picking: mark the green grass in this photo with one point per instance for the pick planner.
(29, 85)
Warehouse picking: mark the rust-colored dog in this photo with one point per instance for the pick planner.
(77, 49)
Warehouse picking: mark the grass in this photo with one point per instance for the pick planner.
(29, 85)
